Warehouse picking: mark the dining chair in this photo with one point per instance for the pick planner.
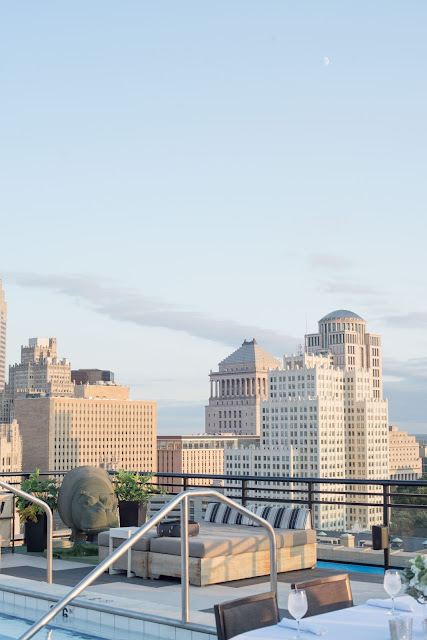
(246, 614)
(326, 594)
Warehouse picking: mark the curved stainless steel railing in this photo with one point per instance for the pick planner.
(181, 498)
(48, 512)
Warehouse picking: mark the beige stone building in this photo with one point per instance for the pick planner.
(3, 323)
(40, 372)
(325, 419)
(404, 452)
(101, 428)
(10, 448)
(237, 389)
(196, 454)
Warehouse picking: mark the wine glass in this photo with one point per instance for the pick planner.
(392, 585)
(297, 606)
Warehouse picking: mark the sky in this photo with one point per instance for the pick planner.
(176, 177)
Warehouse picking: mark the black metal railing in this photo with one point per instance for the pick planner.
(384, 495)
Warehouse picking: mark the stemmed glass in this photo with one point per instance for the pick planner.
(392, 585)
(297, 606)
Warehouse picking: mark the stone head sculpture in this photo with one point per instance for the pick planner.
(86, 502)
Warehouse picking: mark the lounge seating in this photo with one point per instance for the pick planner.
(246, 614)
(222, 551)
(327, 594)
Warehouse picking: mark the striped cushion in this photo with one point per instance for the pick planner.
(278, 517)
(295, 519)
(222, 513)
(285, 517)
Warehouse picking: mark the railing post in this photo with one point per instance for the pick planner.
(244, 493)
(310, 501)
(386, 520)
(185, 585)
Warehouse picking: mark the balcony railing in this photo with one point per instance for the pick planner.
(393, 503)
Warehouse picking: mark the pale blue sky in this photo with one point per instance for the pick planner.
(178, 176)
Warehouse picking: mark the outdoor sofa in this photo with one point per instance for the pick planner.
(228, 547)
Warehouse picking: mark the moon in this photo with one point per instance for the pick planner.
(326, 61)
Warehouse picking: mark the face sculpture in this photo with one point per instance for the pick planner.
(87, 503)
(94, 507)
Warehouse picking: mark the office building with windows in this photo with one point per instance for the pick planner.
(3, 324)
(324, 419)
(237, 389)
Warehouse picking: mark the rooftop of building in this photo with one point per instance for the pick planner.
(250, 352)
(342, 314)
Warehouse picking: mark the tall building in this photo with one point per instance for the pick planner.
(343, 334)
(404, 451)
(40, 372)
(196, 454)
(10, 448)
(3, 323)
(237, 389)
(99, 428)
(325, 419)
(90, 376)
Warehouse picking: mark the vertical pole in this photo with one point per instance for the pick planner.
(244, 493)
(310, 501)
(386, 521)
(185, 588)
(13, 522)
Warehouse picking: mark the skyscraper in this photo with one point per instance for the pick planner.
(325, 418)
(100, 427)
(237, 389)
(40, 372)
(3, 321)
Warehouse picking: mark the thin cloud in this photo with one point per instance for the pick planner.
(411, 373)
(122, 304)
(412, 320)
(349, 288)
(329, 262)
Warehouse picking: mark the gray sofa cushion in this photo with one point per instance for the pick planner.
(223, 540)
(142, 545)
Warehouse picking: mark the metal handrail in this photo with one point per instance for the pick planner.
(128, 544)
(49, 517)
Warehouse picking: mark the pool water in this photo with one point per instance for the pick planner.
(358, 568)
(12, 627)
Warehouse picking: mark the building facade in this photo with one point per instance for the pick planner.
(323, 419)
(404, 451)
(99, 430)
(196, 454)
(91, 376)
(3, 324)
(10, 448)
(237, 389)
(39, 373)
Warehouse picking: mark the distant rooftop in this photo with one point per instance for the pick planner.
(343, 314)
(250, 351)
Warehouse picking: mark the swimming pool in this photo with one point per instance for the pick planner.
(13, 625)
(358, 568)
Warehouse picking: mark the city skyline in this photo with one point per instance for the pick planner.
(190, 176)
(198, 428)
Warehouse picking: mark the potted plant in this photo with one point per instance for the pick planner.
(31, 514)
(133, 491)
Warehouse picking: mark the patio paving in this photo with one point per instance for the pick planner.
(21, 569)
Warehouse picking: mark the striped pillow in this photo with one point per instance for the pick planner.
(295, 519)
(285, 517)
(273, 515)
(222, 513)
